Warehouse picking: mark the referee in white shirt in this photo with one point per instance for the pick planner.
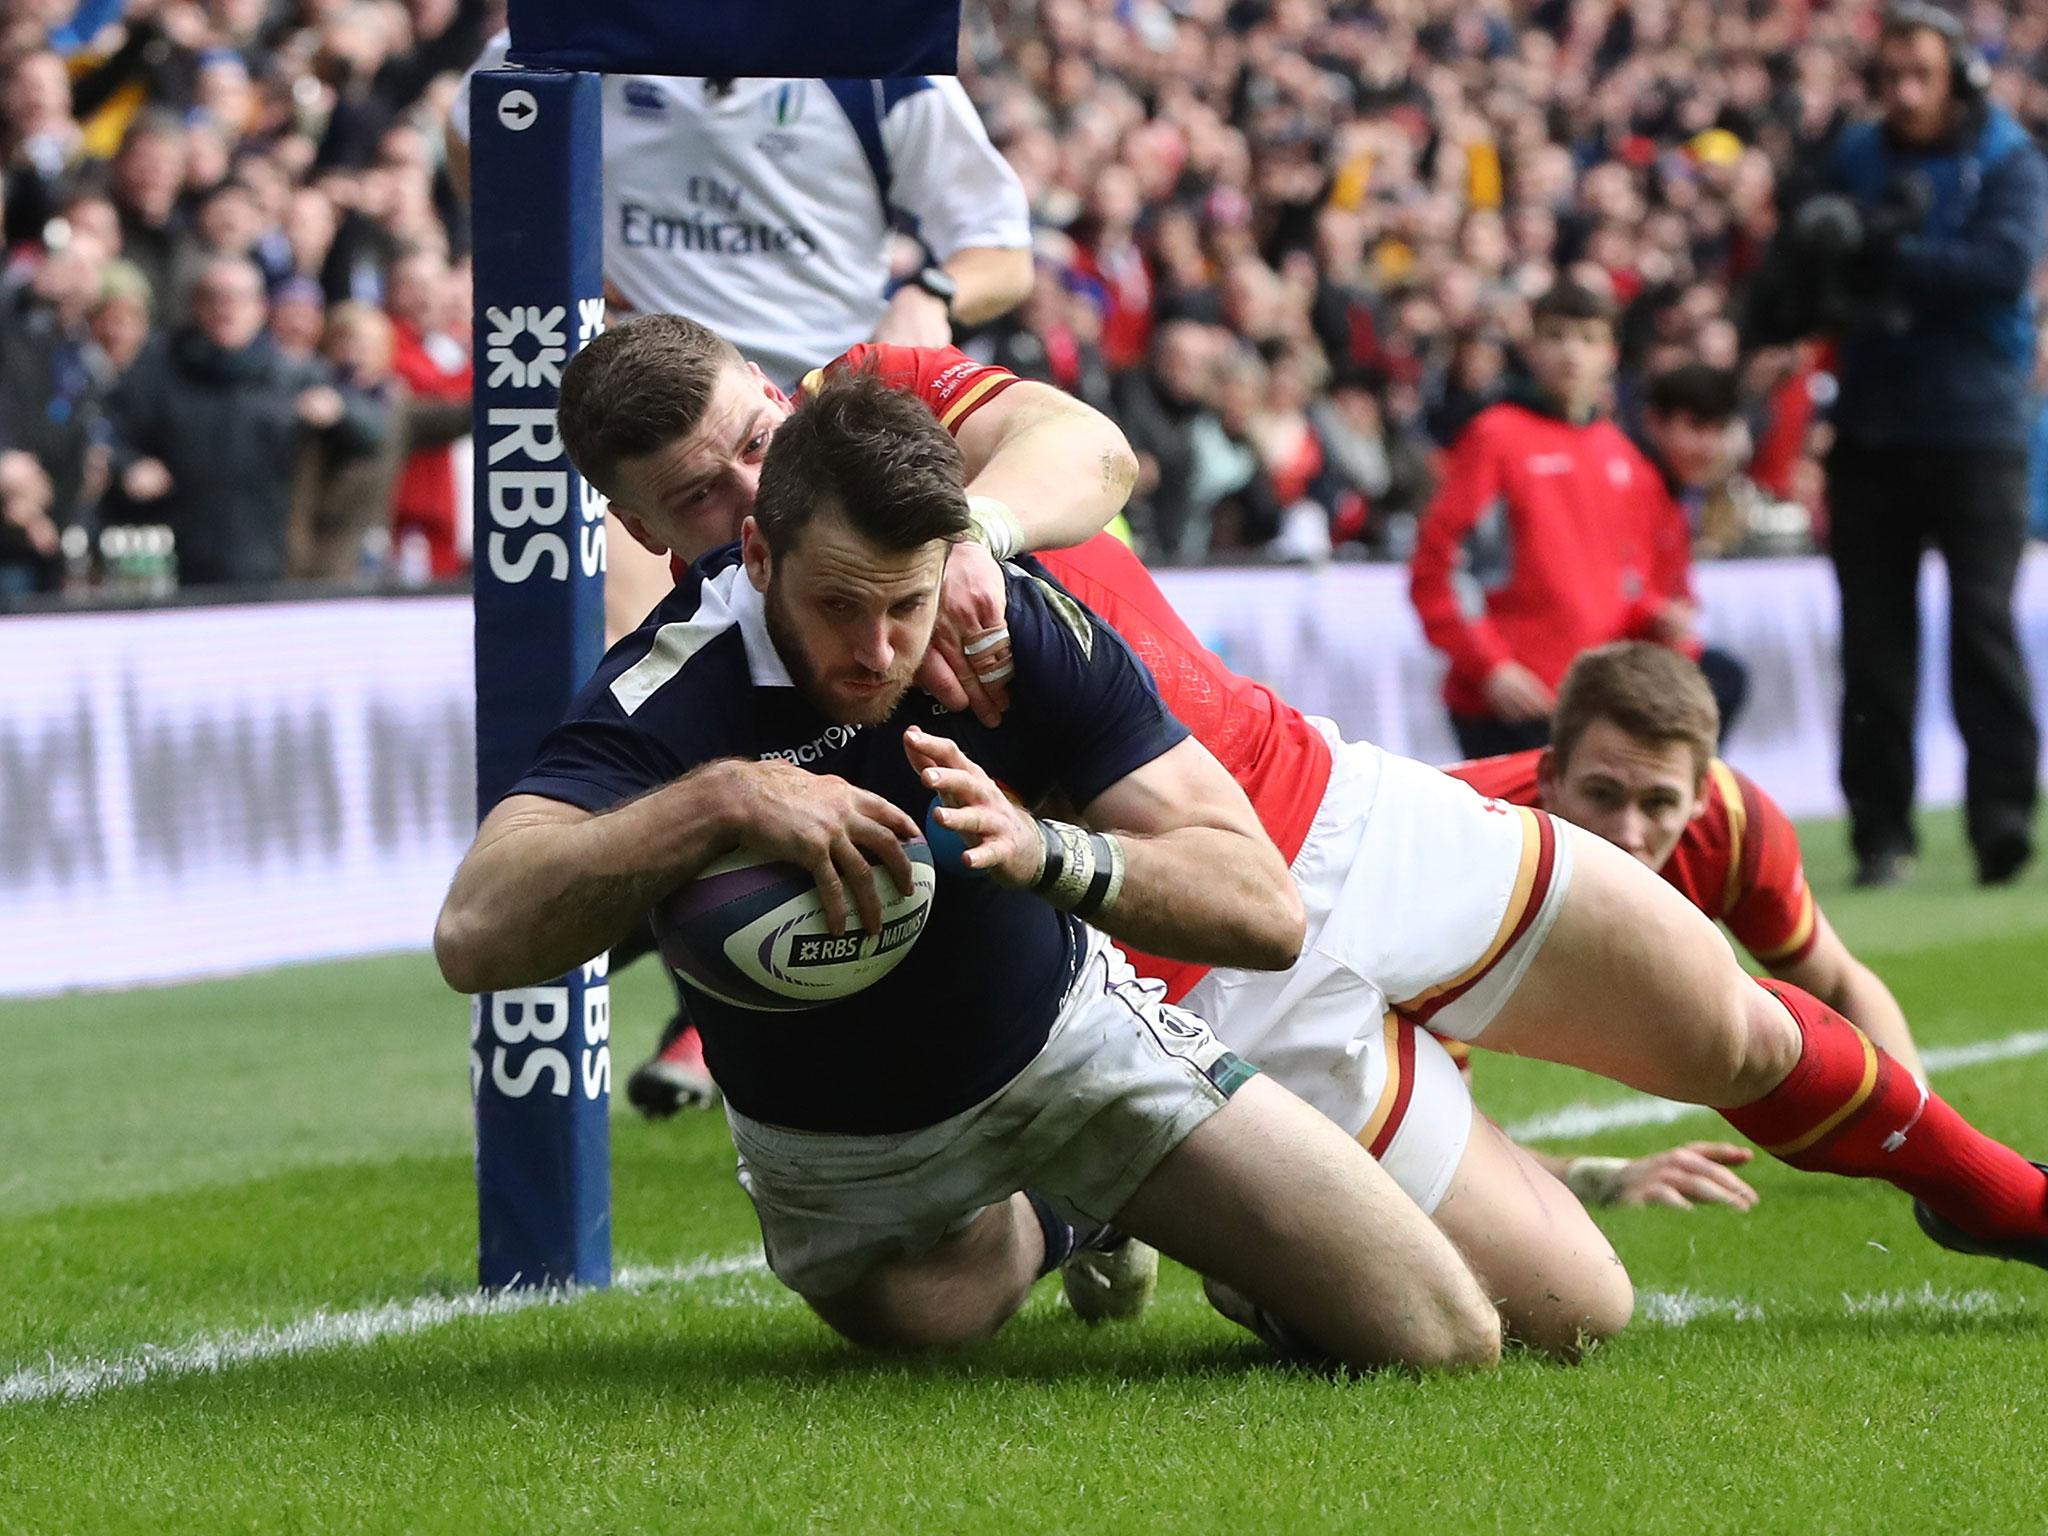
(763, 208)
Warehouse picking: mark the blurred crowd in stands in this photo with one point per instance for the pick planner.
(1292, 245)
(236, 301)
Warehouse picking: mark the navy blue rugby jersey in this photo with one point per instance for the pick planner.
(974, 1000)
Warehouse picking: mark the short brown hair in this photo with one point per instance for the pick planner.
(1649, 691)
(876, 454)
(643, 385)
(1569, 300)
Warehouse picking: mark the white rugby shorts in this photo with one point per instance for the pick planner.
(1121, 1081)
(1425, 905)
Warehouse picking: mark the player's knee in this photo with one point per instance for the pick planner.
(1771, 1042)
(1569, 1327)
(1465, 1335)
(1730, 1050)
(920, 1308)
(908, 1319)
(1616, 1306)
(1459, 1330)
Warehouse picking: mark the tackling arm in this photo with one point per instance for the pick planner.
(1063, 468)
(1060, 470)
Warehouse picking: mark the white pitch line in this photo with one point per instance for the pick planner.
(323, 1330)
(1942, 1058)
(1677, 1309)
(1592, 1116)
(317, 1332)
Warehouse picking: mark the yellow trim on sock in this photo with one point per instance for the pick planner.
(1856, 1100)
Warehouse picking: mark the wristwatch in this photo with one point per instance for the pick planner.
(940, 284)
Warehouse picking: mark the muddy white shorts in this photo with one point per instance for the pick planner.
(1425, 905)
(1121, 1081)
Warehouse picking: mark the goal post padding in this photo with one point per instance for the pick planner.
(541, 1058)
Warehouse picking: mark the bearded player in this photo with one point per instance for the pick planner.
(920, 1150)
(1549, 943)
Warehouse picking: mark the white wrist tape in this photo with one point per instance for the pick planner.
(995, 526)
(1082, 872)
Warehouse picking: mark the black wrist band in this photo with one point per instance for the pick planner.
(1055, 859)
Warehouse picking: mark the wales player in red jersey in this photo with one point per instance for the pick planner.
(1632, 758)
(1429, 907)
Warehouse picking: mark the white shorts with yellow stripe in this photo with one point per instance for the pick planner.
(1426, 904)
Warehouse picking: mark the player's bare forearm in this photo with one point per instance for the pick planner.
(1061, 466)
(1862, 998)
(1201, 880)
(1208, 895)
(546, 886)
(992, 280)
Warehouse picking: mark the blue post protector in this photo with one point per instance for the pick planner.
(539, 1057)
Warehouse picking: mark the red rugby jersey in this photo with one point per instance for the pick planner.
(1737, 861)
(953, 384)
(1266, 744)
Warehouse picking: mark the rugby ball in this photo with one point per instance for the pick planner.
(751, 931)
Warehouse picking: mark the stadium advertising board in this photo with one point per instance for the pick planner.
(203, 790)
(211, 789)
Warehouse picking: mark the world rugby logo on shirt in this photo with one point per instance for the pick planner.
(786, 104)
(644, 99)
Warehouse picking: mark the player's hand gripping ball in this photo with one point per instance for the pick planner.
(751, 931)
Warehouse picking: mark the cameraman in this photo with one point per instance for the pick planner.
(1917, 252)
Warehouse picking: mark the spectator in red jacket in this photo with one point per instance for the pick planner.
(1551, 534)
(434, 362)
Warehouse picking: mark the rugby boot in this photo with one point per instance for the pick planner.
(675, 1076)
(2027, 1250)
(1110, 1278)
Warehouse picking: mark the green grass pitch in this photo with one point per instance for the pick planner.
(242, 1213)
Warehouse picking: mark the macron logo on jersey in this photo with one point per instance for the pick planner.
(810, 752)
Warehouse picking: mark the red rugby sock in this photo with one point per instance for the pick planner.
(1849, 1108)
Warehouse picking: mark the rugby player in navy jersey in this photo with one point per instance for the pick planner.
(886, 1139)
(670, 426)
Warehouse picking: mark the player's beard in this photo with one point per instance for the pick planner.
(827, 692)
